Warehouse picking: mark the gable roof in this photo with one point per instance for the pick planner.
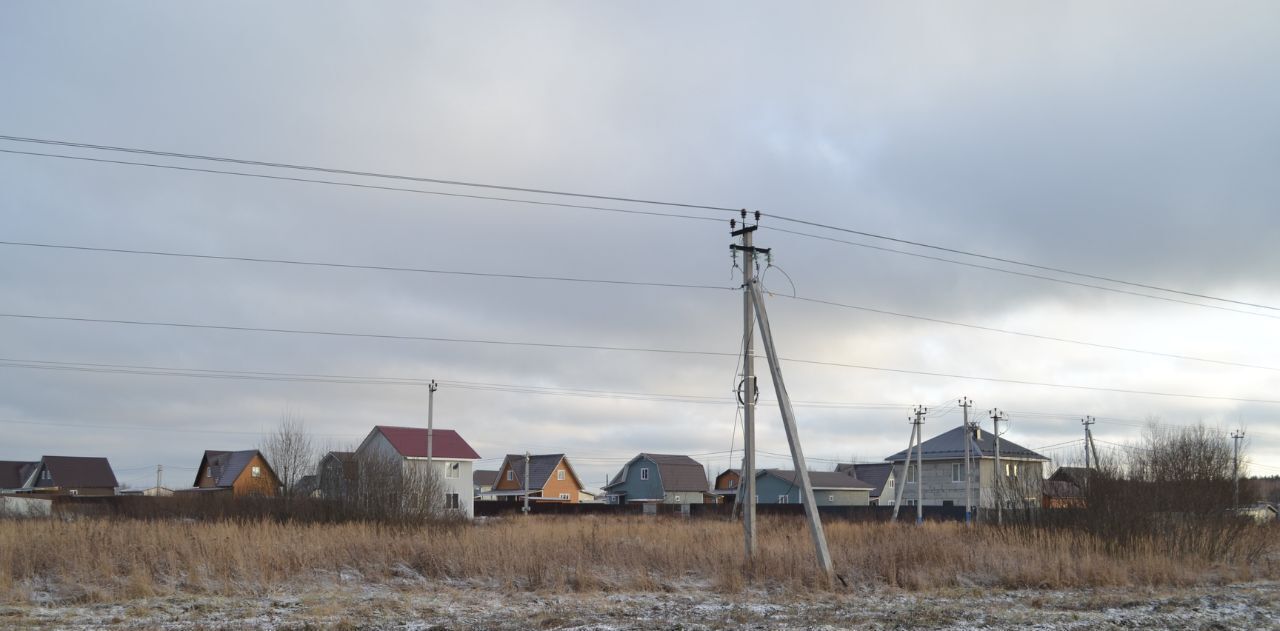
(675, 472)
(14, 473)
(949, 445)
(411, 442)
(825, 480)
(876, 474)
(540, 468)
(1078, 476)
(226, 466)
(342, 456)
(79, 471)
(484, 477)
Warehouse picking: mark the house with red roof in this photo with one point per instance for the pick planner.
(451, 459)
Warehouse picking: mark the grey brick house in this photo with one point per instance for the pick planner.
(1020, 481)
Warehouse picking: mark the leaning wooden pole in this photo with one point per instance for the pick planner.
(793, 435)
(900, 484)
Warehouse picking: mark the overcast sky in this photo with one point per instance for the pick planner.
(1136, 141)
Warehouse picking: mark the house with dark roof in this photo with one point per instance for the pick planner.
(1065, 488)
(451, 459)
(782, 486)
(878, 474)
(14, 474)
(659, 479)
(336, 474)
(240, 473)
(551, 479)
(482, 481)
(725, 487)
(942, 477)
(71, 475)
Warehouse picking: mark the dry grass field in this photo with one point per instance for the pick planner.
(99, 560)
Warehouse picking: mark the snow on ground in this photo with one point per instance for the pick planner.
(436, 605)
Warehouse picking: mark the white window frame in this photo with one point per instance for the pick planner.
(452, 470)
(560, 474)
(644, 473)
(831, 498)
(511, 475)
(565, 496)
(255, 472)
(44, 475)
(957, 473)
(208, 471)
(677, 499)
(452, 501)
(74, 491)
(911, 473)
(784, 499)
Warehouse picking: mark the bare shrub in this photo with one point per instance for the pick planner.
(290, 451)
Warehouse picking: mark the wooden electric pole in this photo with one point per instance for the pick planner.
(1088, 443)
(1236, 437)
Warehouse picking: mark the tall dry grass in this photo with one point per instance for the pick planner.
(96, 559)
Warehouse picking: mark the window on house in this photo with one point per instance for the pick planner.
(677, 498)
(564, 496)
(831, 498)
(1011, 469)
(644, 473)
(733, 484)
(257, 472)
(452, 470)
(948, 503)
(782, 499)
(75, 491)
(208, 472)
(511, 475)
(957, 473)
(560, 474)
(911, 473)
(44, 475)
(451, 500)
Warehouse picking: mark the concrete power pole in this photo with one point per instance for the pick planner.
(996, 417)
(920, 412)
(793, 436)
(159, 478)
(1088, 441)
(747, 479)
(906, 465)
(431, 408)
(968, 461)
(1236, 437)
(525, 509)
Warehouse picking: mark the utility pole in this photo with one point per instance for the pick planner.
(920, 412)
(996, 417)
(159, 477)
(1236, 437)
(431, 407)
(968, 475)
(747, 481)
(793, 436)
(1088, 441)
(906, 465)
(525, 509)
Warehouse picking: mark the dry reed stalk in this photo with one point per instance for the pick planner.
(127, 558)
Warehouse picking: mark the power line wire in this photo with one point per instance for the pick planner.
(635, 200)
(831, 303)
(355, 266)
(812, 362)
(409, 178)
(172, 167)
(1023, 274)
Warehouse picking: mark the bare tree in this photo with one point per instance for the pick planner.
(290, 451)
(390, 490)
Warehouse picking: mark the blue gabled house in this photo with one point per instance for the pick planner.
(659, 479)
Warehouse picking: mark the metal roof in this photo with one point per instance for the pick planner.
(675, 473)
(824, 480)
(225, 466)
(484, 477)
(540, 468)
(411, 442)
(875, 474)
(14, 473)
(949, 445)
(78, 471)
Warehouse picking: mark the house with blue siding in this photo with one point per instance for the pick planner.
(781, 486)
(659, 479)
